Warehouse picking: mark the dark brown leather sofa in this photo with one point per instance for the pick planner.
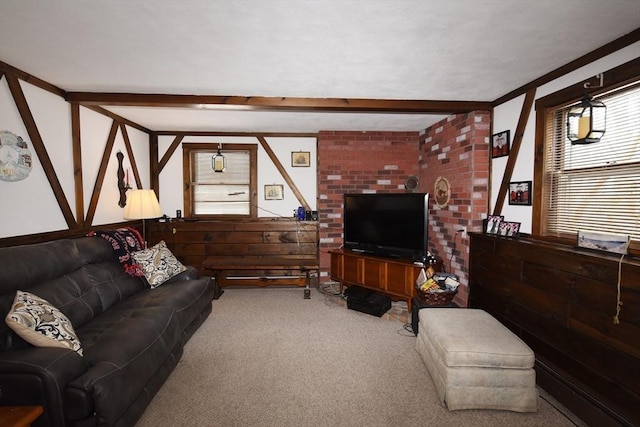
(132, 336)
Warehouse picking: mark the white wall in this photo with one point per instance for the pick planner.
(29, 206)
(171, 196)
(506, 115)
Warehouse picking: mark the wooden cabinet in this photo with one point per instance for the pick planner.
(393, 277)
(562, 302)
(262, 252)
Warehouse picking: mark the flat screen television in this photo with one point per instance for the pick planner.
(387, 224)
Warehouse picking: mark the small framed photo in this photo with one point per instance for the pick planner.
(493, 224)
(509, 229)
(500, 144)
(520, 193)
(274, 192)
(300, 159)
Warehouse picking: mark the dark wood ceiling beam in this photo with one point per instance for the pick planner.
(6, 68)
(214, 102)
(117, 118)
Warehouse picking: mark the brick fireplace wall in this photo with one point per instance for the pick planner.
(456, 148)
(358, 162)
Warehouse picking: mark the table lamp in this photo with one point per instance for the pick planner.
(142, 204)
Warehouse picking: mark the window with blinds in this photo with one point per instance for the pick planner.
(595, 187)
(226, 193)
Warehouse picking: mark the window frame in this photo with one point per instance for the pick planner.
(614, 78)
(190, 148)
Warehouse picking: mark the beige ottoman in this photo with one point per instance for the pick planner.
(475, 362)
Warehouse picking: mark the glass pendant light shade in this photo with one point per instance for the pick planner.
(586, 121)
(217, 161)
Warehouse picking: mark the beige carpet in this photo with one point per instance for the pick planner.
(268, 357)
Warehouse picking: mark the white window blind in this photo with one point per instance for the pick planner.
(221, 193)
(595, 187)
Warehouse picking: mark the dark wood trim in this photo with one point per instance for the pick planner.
(154, 167)
(188, 147)
(29, 239)
(95, 196)
(538, 200)
(515, 148)
(284, 173)
(39, 148)
(248, 134)
(174, 146)
(132, 158)
(609, 48)
(575, 398)
(9, 70)
(612, 78)
(76, 141)
(279, 103)
(115, 117)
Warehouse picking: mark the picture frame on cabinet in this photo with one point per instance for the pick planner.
(492, 224)
(509, 229)
(500, 144)
(300, 159)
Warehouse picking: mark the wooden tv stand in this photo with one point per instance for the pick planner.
(394, 277)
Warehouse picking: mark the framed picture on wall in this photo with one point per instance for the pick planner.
(301, 159)
(274, 192)
(520, 193)
(500, 143)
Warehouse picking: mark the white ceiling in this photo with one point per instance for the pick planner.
(463, 50)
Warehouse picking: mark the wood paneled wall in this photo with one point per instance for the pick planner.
(562, 301)
(192, 242)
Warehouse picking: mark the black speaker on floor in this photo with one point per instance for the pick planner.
(367, 301)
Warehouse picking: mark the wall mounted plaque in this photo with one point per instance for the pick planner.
(15, 157)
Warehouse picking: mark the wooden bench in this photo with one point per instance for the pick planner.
(261, 271)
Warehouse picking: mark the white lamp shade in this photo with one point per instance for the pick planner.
(142, 204)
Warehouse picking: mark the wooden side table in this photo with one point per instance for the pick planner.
(19, 416)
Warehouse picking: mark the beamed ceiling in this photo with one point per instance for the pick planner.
(299, 65)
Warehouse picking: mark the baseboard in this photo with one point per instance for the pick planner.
(576, 399)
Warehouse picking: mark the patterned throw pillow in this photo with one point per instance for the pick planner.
(158, 264)
(41, 324)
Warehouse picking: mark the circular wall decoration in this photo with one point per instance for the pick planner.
(442, 192)
(15, 157)
(411, 184)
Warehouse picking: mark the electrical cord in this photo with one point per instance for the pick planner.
(453, 249)
(616, 318)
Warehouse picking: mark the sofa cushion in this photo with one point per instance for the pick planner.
(472, 337)
(41, 324)
(127, 345)
(158, 264)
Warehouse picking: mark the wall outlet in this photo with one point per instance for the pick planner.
(463, 232)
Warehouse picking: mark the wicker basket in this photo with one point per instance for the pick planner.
(436, 298)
